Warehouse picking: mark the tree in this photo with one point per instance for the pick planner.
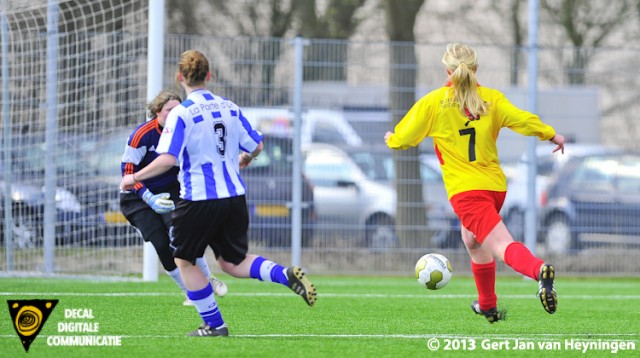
(327, 58)
(400, 21)
(182, 17)
(263, 23)
(512, 12)
(587, 25)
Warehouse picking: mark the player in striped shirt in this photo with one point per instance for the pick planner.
(210, 139)
(464, 120)
(149, 204)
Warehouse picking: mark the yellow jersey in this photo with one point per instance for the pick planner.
(466, 147)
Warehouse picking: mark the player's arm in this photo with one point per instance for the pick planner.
(527, 123)
(246, 158)
(134, 153)
(412, 129)
(161, 164)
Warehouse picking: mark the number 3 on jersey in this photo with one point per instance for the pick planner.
(221, 131)
(471, 132)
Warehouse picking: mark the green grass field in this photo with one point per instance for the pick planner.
(354, 317)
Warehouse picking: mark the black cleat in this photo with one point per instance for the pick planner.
(492, 315)
(300, 284)
(546, 291)
(207, 331)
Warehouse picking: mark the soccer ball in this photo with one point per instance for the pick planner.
(433, 271)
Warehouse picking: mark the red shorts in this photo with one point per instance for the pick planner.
(478, 210)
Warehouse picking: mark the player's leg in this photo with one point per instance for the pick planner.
(263, 269)
(152, 228)
(478, 213)
(235, 261)
(219, 287)
(518, 257)
(483, 268)
(192, 224)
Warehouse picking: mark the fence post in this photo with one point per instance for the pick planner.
(6, 137)
(530, 223)
(296, 210)
(155, 71)
(51, 137)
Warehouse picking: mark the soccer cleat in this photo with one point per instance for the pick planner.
(219, 287)
(300, 284)
(546, 291)
(206, 331)
(492, 315)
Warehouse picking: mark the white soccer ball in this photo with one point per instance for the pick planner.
(433, 271)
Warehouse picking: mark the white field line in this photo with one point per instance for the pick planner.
(533, 336)
(332, 295)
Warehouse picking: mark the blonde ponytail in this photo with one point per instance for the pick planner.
(462, 63)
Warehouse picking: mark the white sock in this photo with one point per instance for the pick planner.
(204, 266)
(175, 275)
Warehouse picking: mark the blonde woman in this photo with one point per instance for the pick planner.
(464, 120)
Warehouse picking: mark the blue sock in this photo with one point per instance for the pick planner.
(266, 270)
(207, 306)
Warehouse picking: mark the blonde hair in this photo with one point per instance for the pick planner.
(462, 63)
(155, 106)
(194, 67)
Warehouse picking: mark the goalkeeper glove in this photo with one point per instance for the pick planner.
(160, 203)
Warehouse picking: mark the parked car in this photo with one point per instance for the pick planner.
(88, 166)
(378, 166)
(593, 199)
(269, 181)
(318, 125)
(347, 200)
(547, 162)
(27, 192)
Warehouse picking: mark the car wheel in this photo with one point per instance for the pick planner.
(380, 232)
(514, 221)
(559, 238)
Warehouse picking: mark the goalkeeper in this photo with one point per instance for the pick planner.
(149, 205)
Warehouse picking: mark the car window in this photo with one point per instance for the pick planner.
(327, 173)
(629, 175)
(327, 133)
(380, 167)
(595, 174)
(276, 154)
(107, 161)
(375, 167)
(545, 165)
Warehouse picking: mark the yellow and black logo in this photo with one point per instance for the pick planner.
(28, 317)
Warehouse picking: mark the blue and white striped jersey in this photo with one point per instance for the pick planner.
(206, 133)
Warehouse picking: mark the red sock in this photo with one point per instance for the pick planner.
(485, 277)
(519, 258)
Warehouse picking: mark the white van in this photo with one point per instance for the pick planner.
(318, 125)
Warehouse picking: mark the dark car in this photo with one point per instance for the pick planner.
(268, 182)
(87, 167)
(593, 200)
(27, 196)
